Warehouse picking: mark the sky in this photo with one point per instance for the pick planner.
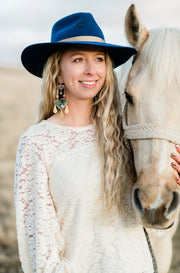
(25, 22)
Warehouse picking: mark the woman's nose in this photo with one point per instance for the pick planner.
(90, 68)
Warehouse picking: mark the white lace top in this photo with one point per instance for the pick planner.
(58, 209)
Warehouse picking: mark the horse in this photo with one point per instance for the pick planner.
(151, 86)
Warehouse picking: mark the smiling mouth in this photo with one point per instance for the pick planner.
(88, 83)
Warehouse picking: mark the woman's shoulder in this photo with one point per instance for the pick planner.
(37, 134)
(29, 141)
(34, 130)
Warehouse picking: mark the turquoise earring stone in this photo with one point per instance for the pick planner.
(60, 104)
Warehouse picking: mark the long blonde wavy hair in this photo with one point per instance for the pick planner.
(107, 122)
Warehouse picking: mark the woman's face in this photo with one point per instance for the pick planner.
(83, 72)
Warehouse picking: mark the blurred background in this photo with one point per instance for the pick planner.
(26, 22)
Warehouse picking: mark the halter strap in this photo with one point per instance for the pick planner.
(149, 130)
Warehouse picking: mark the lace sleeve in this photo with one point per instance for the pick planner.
(39, 240)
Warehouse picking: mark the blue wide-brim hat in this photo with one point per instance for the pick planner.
(80, 29)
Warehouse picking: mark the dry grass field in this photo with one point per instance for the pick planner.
(19, 95)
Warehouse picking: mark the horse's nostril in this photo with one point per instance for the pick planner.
(174, 203)
(136, 200)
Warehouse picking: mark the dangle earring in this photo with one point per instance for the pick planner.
(61, 102)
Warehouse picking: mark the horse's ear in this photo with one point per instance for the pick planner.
(136, 32)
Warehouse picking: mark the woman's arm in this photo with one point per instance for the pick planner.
(176, 164)
(41, 245)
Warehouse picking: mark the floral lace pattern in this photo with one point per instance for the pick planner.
(58, 208)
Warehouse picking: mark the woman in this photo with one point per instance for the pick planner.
(70, 165)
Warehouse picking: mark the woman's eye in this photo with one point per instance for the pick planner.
(100, 59)
(129, 98)
(77, 60)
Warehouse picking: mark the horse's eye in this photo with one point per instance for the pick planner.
(129, 98)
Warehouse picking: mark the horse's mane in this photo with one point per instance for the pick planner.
(162, 56)
(122, 76)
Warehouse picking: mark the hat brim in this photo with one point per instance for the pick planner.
(35, 56)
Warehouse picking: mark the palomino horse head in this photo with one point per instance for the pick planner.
(152, 119)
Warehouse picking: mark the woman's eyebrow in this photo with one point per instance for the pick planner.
(76, 53)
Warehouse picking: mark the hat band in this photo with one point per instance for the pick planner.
(83, 39)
